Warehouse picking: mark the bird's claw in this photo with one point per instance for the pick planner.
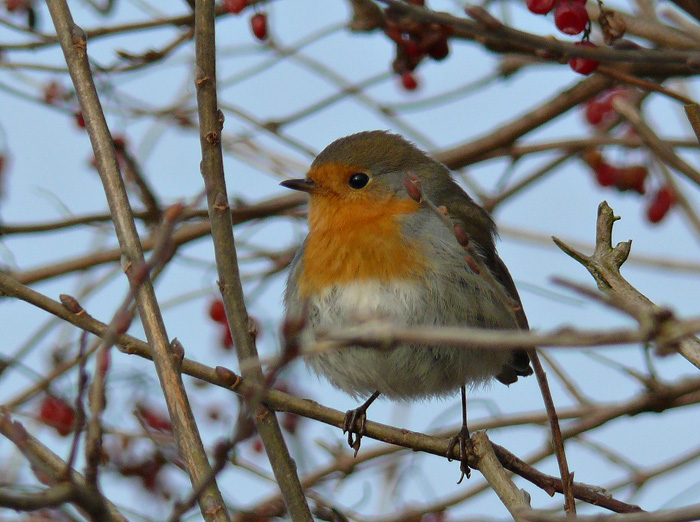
(464, 442)
(354, 426)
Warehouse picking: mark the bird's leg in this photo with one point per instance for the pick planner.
(354, 424)
(464, 440)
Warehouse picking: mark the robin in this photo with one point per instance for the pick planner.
(374, 251)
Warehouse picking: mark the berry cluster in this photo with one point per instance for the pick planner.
(414, 41)
(570, 17)
(631, 178)
(145, 467)
(623, 178)
(258, 22)
(130, 459)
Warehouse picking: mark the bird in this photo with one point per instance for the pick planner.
(373, 250)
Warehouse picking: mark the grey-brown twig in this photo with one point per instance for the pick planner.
(212, 170)
(683, 393)
(491, 468)
(74, 45)
(604, 265)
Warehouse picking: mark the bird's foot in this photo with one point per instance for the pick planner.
(354, 423)
(464, 442)
(354, 426)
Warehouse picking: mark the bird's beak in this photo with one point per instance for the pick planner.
(302, 184)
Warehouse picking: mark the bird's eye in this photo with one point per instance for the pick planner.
(358, 181)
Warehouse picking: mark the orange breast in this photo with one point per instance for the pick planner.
(357, 240)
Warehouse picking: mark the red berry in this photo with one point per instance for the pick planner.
(258, 445)
(412, 49)
(226, 339)
(656, 212)
(606, 174)
(541, 7)
(79, 119)
(584, 65)
(570, 18)
(258, 24)
(632, 178)
(147, 470)
(289, 422)
(439, 50)
(217, 311)
(155, 420)
(595, 111)
(58, 414)
(661, 203)
(119, 142)
(667, 195)
(14, 6)
(235, 6)
(599, 110)
(409, 81)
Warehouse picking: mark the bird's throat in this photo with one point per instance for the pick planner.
(351, 241)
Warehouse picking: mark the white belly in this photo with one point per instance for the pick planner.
(404, 372)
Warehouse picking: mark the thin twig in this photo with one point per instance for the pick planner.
(693, 112)
(681, 394)
(656, 144)
(74, 45)
(52, 469)
(489, 466)
(604, 265)
(646, 85)
(212, 169)
(557, 439)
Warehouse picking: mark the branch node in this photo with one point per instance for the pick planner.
(200, 77)
(71, 304)
(79, 39)
(177, 351)
(228, 377)
(213, 138)
(221, 203)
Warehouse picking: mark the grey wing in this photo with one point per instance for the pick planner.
(520, 360)
(481, 230)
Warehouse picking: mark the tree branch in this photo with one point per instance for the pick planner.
(212, 169)
(74, 45)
